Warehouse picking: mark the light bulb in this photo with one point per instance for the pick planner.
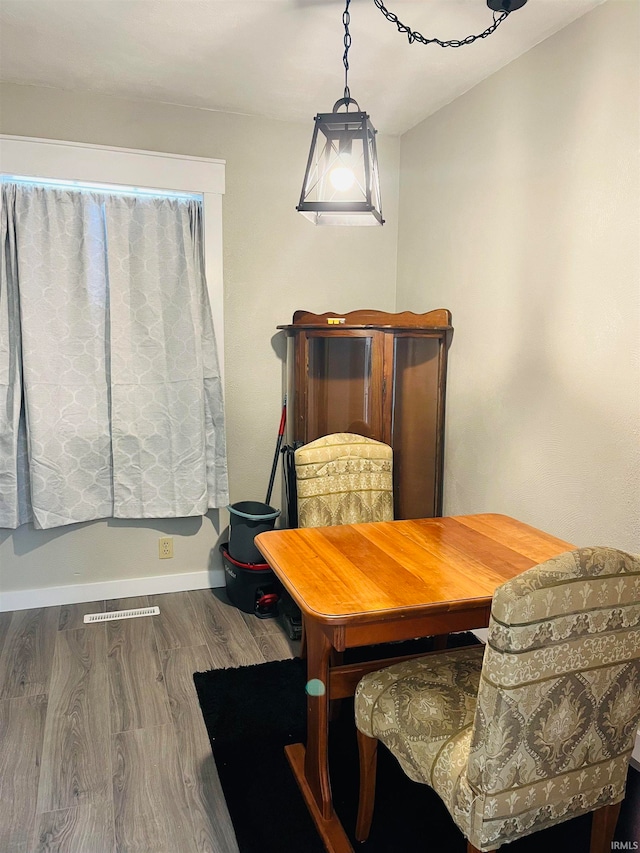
(342, 178)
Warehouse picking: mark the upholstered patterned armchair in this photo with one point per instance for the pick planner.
(536, 728)
(344, 479)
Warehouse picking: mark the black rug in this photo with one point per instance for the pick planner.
(252, 712)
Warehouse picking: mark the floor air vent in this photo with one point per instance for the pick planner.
(122, 614)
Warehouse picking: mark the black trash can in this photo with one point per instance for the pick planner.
(247, 519)
(251, 587)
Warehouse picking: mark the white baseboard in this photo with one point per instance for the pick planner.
(25, 599)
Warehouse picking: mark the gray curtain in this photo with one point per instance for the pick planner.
(110, 391)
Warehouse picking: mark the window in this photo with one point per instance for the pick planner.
(112, 393)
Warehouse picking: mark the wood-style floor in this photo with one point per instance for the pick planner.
(102, 744)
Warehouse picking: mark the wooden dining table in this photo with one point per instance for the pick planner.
(363, 584)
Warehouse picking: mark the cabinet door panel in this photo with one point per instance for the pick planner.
(417, 426)
(344, 386)
(380, 375)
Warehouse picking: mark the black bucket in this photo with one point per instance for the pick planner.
(251, 587)
(248, 518)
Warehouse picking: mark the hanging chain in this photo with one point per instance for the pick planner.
(346, 20)
(412, 35)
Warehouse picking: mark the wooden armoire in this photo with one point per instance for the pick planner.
(380, 375)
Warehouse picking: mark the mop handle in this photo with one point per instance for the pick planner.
(283, 420)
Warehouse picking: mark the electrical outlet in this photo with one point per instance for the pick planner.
(165, 547)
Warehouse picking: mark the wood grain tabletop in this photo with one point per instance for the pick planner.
(420, 565)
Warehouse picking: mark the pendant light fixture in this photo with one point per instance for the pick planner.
(341, 183)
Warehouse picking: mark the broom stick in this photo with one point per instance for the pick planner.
(283, 420)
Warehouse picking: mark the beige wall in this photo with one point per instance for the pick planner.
(520, 212)
(275, 261)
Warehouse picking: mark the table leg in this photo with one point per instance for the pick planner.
(316, 764)
(310, 766)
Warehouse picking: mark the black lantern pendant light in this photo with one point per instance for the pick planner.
(341, 184)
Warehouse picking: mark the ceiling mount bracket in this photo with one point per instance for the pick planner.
(505, 5)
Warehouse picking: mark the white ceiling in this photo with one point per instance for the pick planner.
(278, 58)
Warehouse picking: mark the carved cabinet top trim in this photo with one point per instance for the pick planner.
(438, 319)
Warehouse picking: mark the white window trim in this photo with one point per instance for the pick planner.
(102, 164)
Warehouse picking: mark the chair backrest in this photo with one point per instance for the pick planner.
(559, 699)
(344, 478)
